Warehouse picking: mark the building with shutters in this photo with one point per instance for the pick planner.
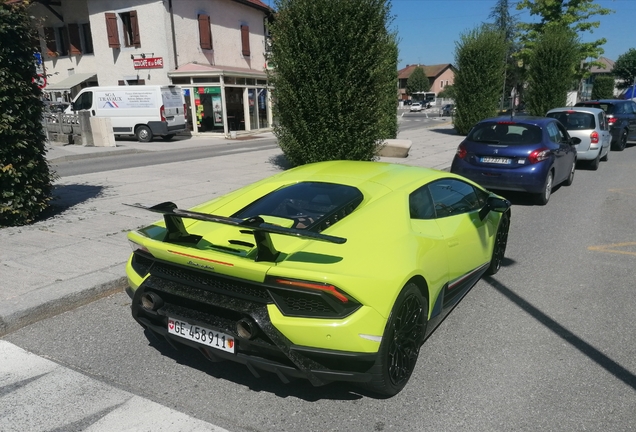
(214, 49)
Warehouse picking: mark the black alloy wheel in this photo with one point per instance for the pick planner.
(499, 249)
(400, 346)
(622, 141)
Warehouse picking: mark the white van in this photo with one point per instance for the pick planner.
(144, 111)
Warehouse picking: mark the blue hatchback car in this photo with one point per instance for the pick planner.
(528, 154)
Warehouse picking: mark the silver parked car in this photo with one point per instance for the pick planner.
(591, 126)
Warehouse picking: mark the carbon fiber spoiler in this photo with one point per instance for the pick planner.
(177, 232)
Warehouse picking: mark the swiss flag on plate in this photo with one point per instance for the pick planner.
(170, 324)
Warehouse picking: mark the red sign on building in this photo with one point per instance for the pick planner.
(148, 63)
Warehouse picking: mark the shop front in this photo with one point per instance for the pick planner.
(224, 101)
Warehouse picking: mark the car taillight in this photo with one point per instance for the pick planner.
(539, 155)
(185, 110)
(162, 113)
(327, 288)
(594, 137)
(461, 151)
(611, 120)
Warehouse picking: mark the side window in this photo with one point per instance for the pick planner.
(421, 204)
(563, 133)
(633, 106)
(84, 102)
(452, 197)
(602, 121)
(557, 134)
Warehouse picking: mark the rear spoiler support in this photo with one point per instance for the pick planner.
(177, 232)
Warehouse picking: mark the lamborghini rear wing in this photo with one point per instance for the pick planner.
(177, 233)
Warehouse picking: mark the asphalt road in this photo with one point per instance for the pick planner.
(145, 158)
(546, 344)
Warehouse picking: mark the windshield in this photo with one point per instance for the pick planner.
(505, 133)
(309, 204)
(573, 120)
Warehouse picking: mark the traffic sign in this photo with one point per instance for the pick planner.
(40, 81)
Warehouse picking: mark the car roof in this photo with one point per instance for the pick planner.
(577, 109)
(358, 173)
(600, 101)
(532, 120)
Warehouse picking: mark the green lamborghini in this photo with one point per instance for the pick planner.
(334, 271)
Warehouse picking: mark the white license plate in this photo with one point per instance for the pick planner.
(202, 335)
(504, 161)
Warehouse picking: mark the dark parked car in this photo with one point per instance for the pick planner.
(621, 116)
(527, 154)
(447, 110)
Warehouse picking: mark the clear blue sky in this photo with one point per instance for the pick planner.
(428, 29)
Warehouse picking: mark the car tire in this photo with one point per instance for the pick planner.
(167, 137)
(570, 179)
(499, 248)
(400, 346)
(143, 134)
(606, 157)
(622, 141)
(543, 197)
(594, 164)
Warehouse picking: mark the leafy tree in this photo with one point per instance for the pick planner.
(603, 87)
(417, 82)
(505, 22)
(449, 92)
(625, 69)
(25, 180)
(573, 14)
(479, 57)
(334, 79)
(552, 66)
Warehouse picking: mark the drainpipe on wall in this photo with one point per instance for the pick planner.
(174, 36)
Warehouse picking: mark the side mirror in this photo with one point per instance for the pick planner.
(496, 204)
(575, 141)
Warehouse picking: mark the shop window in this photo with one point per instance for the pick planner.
(245, 40)
(205, 34)
(204, 80)
(181, 80)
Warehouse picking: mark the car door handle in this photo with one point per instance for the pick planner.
(453, 242)
(93, 113)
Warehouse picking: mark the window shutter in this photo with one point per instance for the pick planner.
(245, 40)
(111, 29)
(74, 39)
(134, 23)
(141, 82)
(205, 35)
(49, 40)
(121, 82)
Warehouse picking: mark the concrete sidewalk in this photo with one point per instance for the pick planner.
(79, 253)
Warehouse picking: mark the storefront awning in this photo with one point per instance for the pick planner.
(199, 70)
(70, 82)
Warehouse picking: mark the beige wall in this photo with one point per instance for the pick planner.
(447, 78)
(112, 65)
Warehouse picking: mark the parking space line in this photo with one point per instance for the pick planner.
(610, 248)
